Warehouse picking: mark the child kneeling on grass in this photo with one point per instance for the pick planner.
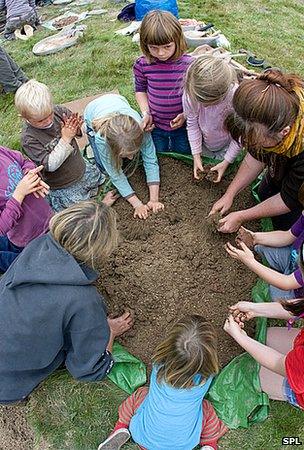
(48, 138)
(172, 413)
(283, 251)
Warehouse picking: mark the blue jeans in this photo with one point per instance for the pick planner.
(8, 253)
(171, 141)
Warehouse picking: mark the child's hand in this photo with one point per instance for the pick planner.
(220, 168)
(233, 328)
(242, 311)
(155, 207)
(29, 184)
(197, 166)
(246, 236)
(147, 122)
(69, 128)
(243, 253)
(178, 121)
(141, 211)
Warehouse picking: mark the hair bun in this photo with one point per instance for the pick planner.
(277, 77)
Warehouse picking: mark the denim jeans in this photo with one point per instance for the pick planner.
(8, 253)
(171, 141)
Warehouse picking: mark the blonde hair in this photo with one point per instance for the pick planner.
(122, 134)
(190, 349)
(209, 78)
(161, 28)
(86, 230)
(33, 100)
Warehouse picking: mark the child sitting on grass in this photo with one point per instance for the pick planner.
(24, 213)
(159, 77)
(210, 84)
(283, 251)
(172, 413)
(48, 138)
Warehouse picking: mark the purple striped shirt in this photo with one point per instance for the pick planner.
(163, 83)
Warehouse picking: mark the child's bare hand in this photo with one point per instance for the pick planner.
(121, 324)
(178, 121)
(219, 169)
(243, 254)
(243, 311)
(29, 184)
(70, 127)
(147, 122)
(141, 211)
(233, 328)
(155, 207)
(246, 236)
(197, 166)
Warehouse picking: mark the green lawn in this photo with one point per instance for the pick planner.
(74, 416)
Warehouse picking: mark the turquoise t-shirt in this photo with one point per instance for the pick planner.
(169, 418)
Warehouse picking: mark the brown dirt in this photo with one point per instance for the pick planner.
(15, 433)
(174, 263)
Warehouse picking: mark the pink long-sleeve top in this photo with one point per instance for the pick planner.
(205, 126)
(21, 223)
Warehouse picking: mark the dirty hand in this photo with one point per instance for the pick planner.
(110, 197)
(220, 168)
(141, 211)
(233, 328)
(222, 205)
(29, 184)
(242, 254)
(197, 166)
(246, 236)
(147, 122)
(230, 223)
(121, 324)
(155, 206)
(178, 121)
(242, 311)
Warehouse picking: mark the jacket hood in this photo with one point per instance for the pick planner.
(44, 261)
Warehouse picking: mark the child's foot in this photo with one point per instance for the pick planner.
(110, 198)
(116, 440)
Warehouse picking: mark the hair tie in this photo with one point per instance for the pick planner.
(291, 321)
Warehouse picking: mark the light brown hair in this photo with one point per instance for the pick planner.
(122, 134)
(161, 28)
(190, 349)
(86, 230)
(209, 78)
(264, 106)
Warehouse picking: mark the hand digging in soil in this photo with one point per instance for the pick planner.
(245, 236)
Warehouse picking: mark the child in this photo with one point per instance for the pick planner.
(282, 250)
(18, 14)
(115, 135)
(48, 138)
(11, 76)
(159, 77)
(209, 87)
(172, 413)
(282, 367)
(24, 213)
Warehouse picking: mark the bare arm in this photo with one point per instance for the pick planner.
(274, 238)
(273, 206)
(142, 100)
(272, 310)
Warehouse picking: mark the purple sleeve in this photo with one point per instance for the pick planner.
(299, 277)
(140, 80)
(298, 227)
(10, 216)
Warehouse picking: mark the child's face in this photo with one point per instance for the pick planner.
(42, 123)
(162, 52)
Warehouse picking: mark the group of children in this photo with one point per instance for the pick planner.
(184, 103)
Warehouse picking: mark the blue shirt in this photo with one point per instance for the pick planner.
(169, 418)
(109, 104)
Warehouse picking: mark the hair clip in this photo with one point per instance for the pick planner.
(291, 321)
(265, 89)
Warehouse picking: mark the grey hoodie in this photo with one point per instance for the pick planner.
(50, 313)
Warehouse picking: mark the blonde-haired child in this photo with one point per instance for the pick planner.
(48, 138)
(115, 135)
(210, 84)
(159, 77)
(172, 413)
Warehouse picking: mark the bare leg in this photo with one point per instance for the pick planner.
(279, 339)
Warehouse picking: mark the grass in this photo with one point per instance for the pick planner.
(64, 413)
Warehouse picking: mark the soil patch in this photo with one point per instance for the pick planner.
(174, 263)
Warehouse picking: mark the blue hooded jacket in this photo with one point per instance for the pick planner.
(50, 313)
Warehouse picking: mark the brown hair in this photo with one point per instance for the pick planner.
(161, 28)
(295, 307)
(190, 349)
(122, 134)
(86, 230)
(264, 105)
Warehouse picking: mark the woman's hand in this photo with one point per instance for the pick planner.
(242, 254)
(141, 211)
(197, 166)
(178, 121)
(246, 236)
(220, 168)
(147, 122)
(222, 205)
(233, 328)
(230, 223)
(243, 311)
(155, 206)
(121, 324)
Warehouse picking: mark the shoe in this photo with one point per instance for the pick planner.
(207, 447)
(116, 440)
